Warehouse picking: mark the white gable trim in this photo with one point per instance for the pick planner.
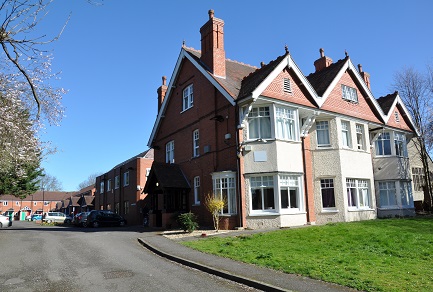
(396, 101)
(183, 54)
(349, 66)
(286, 62)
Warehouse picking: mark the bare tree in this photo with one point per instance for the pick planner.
(49, 183)
(91, 180)
(416, 90)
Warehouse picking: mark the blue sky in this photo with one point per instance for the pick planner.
(112, 58)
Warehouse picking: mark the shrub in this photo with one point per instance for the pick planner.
(188, 222)
(214, 206)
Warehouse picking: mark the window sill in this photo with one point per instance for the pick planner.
(359, 209)
(261, 214)
(330, 211)
(186, 109)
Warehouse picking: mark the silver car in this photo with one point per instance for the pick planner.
(4, 221)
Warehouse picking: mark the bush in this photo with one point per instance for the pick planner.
(188, 222)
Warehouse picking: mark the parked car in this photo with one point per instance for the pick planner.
(36, 217)
(4, 221)
(81, 219)
(54, 217)
(68, 219)
(98, 218)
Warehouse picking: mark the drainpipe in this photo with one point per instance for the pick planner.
(305, 178)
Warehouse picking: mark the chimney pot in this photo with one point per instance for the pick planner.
(322, 52)
(323, 61)
(262, 64)
(164, 80)
(360, 68)
(211, 13)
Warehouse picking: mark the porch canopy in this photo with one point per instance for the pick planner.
(165, 176)
(168, 190)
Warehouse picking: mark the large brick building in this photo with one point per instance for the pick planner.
(282, 148)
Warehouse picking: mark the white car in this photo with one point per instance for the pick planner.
(54, 217)
(4, 221)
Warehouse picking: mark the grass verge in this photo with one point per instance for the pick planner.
(375, 255)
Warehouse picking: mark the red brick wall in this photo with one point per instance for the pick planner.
(335, 102)
(402, 123)
(275, 90)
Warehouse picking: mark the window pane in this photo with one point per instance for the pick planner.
(256, 199)
(284, 198)
(268, 198)
(293, 198)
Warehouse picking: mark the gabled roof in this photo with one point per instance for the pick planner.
(322, 79)
(254, 84)
(146, 154)
(389, 102)
(229, 86)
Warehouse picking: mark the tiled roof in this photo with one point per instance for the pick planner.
(250, 82)
(39, 196)
(386, 101)
(322, 79)
(235, 72)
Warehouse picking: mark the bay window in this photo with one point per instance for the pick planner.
(322, 131)
(262, 193)
(400, 145)
(387, 194)
(383, 144)
(345, 134)
(273, 121)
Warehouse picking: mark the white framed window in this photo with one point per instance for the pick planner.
(358, 194)
(345, 134)
(195, 143)
(46, 203)
(400, 145)
(322, 132)
(259, 123)
(418, 178)
(287, 87)
(169, 152)
(197, 190)
(360, 137)
(101, 189)
(116, 182)
(262, 193)
(224, 187)
(35, 203)
(126, 179)
(108, 185)
(387, 194)
(5, 203)
(17, 203)
(383, 144)
(349, 93)
(327, 192)
(290, 192)
(188, 98)
(285, 120)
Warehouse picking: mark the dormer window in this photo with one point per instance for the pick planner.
(287, 87)
(349, 93)
(188, 98)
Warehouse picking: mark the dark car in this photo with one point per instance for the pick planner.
(81, 219)
(98, 218)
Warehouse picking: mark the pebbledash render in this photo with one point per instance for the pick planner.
(280, 147)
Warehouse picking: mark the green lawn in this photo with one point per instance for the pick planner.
(376, 255)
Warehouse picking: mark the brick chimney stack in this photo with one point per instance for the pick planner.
(212, 45)
(323, 61)
(365, 76)
(161, 92)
